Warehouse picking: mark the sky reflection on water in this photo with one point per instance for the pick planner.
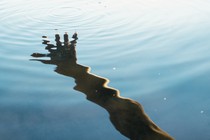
(149, 50)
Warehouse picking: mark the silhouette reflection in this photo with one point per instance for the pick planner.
(126, 115)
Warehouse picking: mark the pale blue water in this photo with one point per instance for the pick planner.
(154, 52)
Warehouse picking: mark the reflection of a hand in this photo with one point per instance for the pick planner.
(127, 115)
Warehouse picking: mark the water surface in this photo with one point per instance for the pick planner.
(154, 52)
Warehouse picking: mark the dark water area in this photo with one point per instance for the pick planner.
(154, 52)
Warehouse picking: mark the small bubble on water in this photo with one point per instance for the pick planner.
(114, 68)
(164, 98)
(202, 112)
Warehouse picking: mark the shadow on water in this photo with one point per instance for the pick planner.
(126, 115)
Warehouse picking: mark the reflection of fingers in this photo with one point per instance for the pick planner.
(44, 36)
(43, 61)
(38, 55)
(45, 41)
(34, 59)
(49, 46)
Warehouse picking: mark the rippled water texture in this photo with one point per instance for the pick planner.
(154, 52)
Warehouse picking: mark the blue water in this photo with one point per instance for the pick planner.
(154, 52)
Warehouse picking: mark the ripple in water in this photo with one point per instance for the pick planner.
(149, 50)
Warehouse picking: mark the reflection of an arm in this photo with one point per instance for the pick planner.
(126, 115)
